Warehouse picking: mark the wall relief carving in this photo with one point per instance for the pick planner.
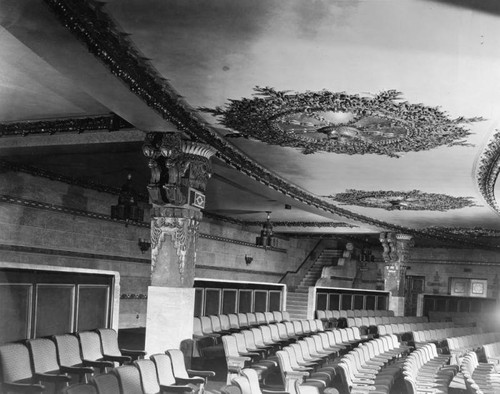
(342, 123)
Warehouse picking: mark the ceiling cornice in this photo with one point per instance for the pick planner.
(94, 27)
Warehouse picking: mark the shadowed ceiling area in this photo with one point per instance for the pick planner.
(361, 116)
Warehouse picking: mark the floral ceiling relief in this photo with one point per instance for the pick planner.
(413, 200)
(342, 123)
(475, 232)
(488, 170)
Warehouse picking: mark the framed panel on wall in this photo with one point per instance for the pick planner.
(274, 301)
(260, 301)
(334, 302)
(478, 287)
(212, 301)
(229, 301)
(198, 302)
(321, 301)
(93, 307)
(54, 309)
(15, 311)
(245, 301)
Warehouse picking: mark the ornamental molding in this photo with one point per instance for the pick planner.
(488, 170)
(97, 31)
(344, 123)
(413, 200)
(182, 231)
(111, 122)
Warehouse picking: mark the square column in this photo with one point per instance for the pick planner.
(169, 317)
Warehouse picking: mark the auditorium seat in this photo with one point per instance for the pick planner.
(188, 375)
(90, 346)
(44, 361)
(17, 375)
(129, 379)
(110, 348)
(106, 383)
(79, 388)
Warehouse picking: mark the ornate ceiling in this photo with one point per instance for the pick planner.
(350, 112)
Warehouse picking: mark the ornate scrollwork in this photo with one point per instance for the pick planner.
(413, 200)
(342, 123)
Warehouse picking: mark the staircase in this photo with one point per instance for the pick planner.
(296, 300)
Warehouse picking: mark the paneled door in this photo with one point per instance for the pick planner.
(414, 287)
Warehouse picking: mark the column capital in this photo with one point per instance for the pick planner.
(180, 170)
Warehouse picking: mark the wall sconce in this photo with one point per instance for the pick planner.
(248, 259)
(144, 245)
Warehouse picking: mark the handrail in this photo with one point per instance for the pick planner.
(311, 258)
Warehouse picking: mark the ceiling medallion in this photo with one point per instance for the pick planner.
(342, 123)
(413, 200)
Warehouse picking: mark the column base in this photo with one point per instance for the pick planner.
(169, 318)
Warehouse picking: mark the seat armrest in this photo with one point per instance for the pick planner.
(23, 387)
(266, 391)
(175, 389)
(76, 370)
(118, 359)
(49, 377)
(184, 381)
(206, 374)
(98, 364)
(133, 353)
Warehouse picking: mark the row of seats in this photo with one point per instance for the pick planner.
(458, 346)
(407, 328)
(373, 366)
(424, 336)
(479, 377)
(247, 383)
(257, 346)
(216, 325)
(61, 359)
(327, 314)
(492, 352)
(371, 324)
(162, 373)
(425, 371)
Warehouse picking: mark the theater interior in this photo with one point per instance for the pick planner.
(299, 196)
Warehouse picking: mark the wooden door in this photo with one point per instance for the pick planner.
(414, 287)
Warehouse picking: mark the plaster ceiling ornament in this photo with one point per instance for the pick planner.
(488, 170)
(413, 200)
(342, 123)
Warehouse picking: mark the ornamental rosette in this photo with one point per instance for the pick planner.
(342, 123)
(413, 200)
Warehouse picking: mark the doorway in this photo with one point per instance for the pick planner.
(413, 287)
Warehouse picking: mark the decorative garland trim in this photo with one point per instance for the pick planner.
(110, 123)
